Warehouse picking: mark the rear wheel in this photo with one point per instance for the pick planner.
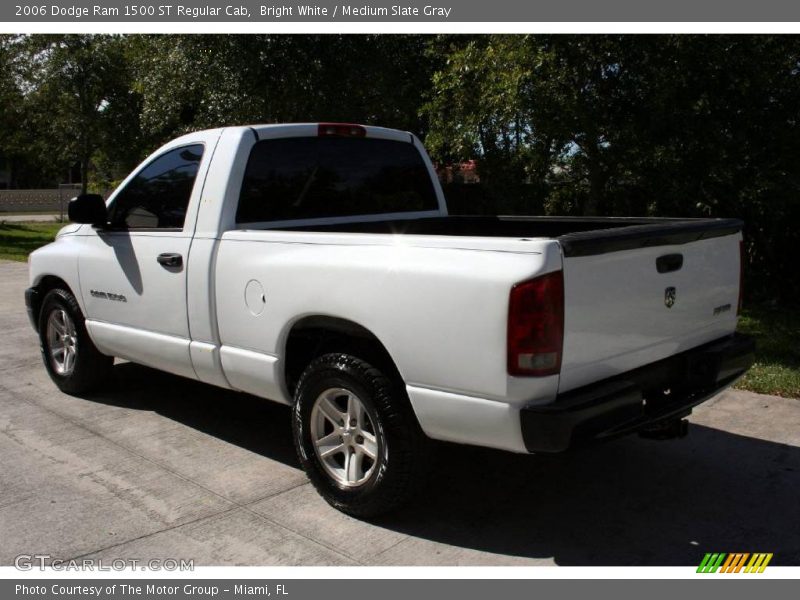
(356, 436)
(346, 441)
(73, 362)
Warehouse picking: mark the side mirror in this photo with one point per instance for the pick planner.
(88, 208)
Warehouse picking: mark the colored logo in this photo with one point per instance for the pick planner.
(734, 563)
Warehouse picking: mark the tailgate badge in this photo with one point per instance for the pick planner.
(669, 297)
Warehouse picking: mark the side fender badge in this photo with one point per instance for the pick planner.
(669, 297)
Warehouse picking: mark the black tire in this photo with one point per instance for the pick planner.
(401, 464)
(91, 369)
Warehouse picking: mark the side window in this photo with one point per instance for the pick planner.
(159, 194)
(309, 177)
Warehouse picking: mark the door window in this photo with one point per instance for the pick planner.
(158, 195)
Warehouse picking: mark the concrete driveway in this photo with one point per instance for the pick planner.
(163, 467)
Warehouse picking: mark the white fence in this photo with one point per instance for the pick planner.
(31, 201)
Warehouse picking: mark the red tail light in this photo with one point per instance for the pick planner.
(536, 326)
(340, 130)
(741, 277)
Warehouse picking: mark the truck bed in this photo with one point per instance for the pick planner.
(578, 236)
(636, 290)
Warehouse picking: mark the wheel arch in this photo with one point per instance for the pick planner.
(314, 335)
(43, 285)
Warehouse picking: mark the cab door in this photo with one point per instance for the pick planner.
(133, 271)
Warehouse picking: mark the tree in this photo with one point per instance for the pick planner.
(78, 95)
(12, 107)
(632, 125)
(189, 82)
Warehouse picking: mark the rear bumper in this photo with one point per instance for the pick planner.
(32, 300)
(637, 399)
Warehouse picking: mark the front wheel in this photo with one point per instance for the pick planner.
(356, 436)
(73, 362)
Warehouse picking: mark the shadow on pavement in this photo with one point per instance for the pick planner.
(257, 425)
(627, 502)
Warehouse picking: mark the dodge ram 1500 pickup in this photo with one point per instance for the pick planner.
(316, 265)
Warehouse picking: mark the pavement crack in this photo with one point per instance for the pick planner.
(152, 533)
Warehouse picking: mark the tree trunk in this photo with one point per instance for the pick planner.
(594, 204)
(84, 174)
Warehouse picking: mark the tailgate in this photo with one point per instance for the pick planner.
(637, 295)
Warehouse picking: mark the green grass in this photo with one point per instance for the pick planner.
(19, 239)
(776, 329)
(777, 367)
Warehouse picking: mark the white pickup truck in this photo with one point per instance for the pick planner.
(316, 265)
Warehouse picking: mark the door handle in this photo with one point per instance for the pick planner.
(170, 259)
(669, 263)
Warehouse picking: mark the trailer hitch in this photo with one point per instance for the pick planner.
(666, 430)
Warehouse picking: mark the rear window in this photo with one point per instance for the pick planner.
(311, 177)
